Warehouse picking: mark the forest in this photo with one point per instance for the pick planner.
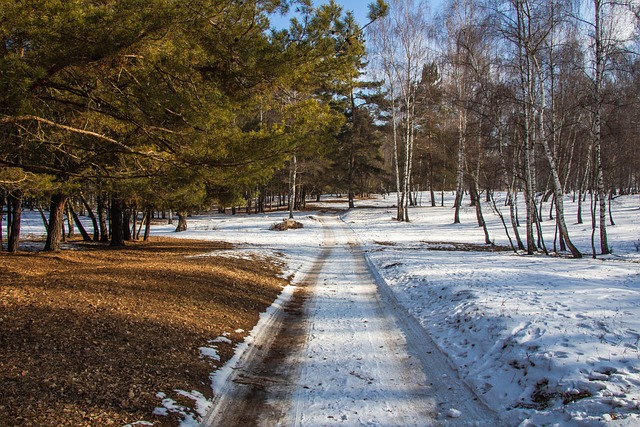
(120, 110)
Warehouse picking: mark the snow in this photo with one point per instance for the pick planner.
(518, 326)
(210, 352)
(224, 339)
(188, 418)
(354, 367)
(543, 340)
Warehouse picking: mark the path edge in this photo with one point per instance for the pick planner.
(222, 378)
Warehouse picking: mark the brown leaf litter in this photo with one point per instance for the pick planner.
(89, 337)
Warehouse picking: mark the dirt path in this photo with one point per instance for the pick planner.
(343, 352)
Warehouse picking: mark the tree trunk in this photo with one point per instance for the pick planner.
(592, 210)
(411, 106)
(134, 222)
(94, 220)
(9, 215)
(579, 214)
(303, 198)
(104, 229)
(126, 222)
(541, 243)
(513, 213)
(136, 235)
(602, 199)
(16, 214)
(2, 204)
(147, 225)
(611, 221)
(117, 223)
(262, 200)
(83, 232)
(45, 221)
(479, 216)
(396, 159)
(71, 231)
(462, 131)
(293, 172)
(56, 218)
(530, 208)
(476, 193)
(504, 224)
(352, 152)
(600, 59)
(558, 200)
(182, 221)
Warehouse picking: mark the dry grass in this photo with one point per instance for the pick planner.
(89, 336)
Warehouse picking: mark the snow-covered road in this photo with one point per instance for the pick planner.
(360, 361)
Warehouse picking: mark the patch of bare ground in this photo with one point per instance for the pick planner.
(465, 247)
(89, 337)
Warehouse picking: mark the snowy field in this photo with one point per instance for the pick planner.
(544, 340)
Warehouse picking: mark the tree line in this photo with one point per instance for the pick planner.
(538, 98)
(120, 107)
(128, 107)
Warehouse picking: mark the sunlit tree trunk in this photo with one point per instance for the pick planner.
(597, 124)
(462, 130)
(558, 189)
(182, 221)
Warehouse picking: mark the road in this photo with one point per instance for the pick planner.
(343, 352)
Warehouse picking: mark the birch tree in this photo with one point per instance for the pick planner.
(461, 26)
(610, 26)
(400, 41)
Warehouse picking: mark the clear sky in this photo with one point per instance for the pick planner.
(359, 8)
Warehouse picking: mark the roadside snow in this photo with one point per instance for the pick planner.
(219, 378)
(210, 352)
(548, 339)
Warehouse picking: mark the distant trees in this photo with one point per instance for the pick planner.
(524, 105)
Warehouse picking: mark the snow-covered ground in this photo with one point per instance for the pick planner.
(544, 340)
(555, 341)
(551, 340)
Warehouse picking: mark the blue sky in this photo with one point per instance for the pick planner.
(359, 7)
